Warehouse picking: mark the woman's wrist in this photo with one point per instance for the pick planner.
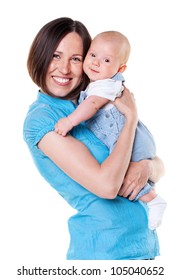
(132, 121)
(131, 116)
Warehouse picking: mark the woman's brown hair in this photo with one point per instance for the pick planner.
(44, 46)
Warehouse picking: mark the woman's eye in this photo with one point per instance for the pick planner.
(56, 56)
(76, 59)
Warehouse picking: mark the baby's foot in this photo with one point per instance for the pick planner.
(156, 209)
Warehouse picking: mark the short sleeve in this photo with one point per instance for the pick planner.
(108, 88)
(38, 122)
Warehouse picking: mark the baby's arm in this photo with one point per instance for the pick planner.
(83, 112)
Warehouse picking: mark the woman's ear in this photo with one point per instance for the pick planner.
(122, 68)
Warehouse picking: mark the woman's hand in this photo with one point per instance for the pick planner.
(126, 104)
(138, 174)
(136, 177)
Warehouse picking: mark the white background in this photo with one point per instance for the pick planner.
(33, 216)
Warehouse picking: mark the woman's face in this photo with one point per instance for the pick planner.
(65, 70)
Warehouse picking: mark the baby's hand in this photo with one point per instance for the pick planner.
(63, 126)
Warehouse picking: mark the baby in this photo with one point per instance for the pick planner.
(104, 64)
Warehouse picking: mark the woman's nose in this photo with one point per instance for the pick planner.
(64, 66)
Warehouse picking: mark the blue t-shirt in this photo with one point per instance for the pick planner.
(102, 229)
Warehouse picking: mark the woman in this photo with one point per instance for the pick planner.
(106, 226)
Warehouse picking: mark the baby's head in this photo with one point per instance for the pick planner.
(107, 55)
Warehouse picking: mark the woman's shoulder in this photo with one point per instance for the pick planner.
(46, 108)
(38, 122)
(41, 117)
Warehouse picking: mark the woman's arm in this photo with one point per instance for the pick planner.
(139, 173)
(83, 112)
(74, 158)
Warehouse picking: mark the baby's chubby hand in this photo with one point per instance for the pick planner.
(63, 126)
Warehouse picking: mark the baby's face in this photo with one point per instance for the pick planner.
(102, 60)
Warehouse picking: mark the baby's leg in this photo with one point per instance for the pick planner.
(156, 207)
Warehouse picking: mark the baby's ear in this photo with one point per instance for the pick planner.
(122, 68)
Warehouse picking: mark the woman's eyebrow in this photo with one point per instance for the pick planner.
(74, 54)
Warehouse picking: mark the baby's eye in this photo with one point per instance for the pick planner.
(92, 54)
(107, 60)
